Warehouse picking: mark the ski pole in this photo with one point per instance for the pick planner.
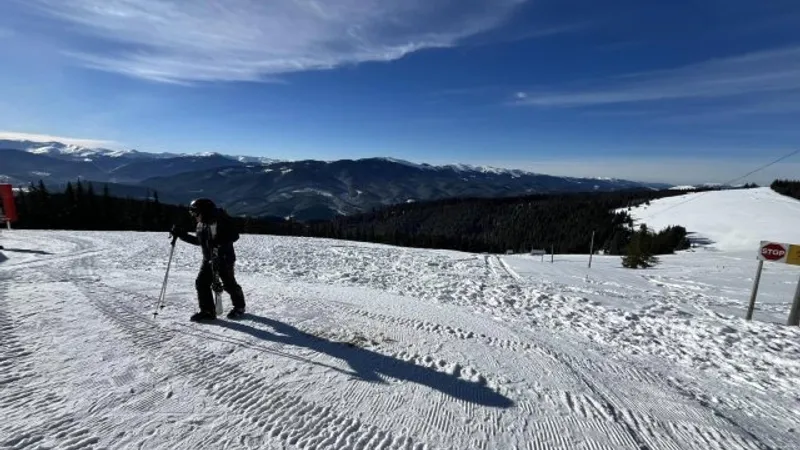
(217, 288)
(216, 284)
(163, 294)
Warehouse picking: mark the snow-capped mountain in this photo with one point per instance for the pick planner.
(316, 189)
(80, 153)
(264, 186)
(76, 152)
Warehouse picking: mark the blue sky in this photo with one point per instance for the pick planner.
(679, 91)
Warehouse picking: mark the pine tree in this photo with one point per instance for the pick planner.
(82, 217)
(640, 253)
(69, 191)
(68, 214)
(42, 216)
(159, 220)
(107, 209)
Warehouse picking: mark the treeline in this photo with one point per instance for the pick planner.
(789, 188)
(80, 207)
(668, 240)
(563, 223)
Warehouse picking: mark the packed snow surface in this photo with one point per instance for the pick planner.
(732, 220)
(360, 346)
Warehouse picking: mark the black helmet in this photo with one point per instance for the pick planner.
(202, 206)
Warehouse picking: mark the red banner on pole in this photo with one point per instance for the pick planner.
(9, 207)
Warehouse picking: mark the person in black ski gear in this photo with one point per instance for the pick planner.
(215, 235)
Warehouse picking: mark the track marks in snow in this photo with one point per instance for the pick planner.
(711, 438)
(570, 433)
(647, 406)
(272, 410)
(13, 364)
(628, 419)
(639, 399)
(454, 369)
(25, 398)
(440, 329)
(59, 433)
(605, 398)
(416, 324)
(582, 405)
(508, 271)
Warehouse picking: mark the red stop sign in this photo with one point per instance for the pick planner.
(773, 252)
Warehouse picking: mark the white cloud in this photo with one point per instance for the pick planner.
(754, 74)
(33, 137)
(248, 40)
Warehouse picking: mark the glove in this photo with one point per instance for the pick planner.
(177, 231)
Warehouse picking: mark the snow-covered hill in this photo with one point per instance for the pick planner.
(732, 220)
(362, 346)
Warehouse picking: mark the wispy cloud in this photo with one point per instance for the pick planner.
(34, 137)
(532, 31)
(759, 73)
(249, 40)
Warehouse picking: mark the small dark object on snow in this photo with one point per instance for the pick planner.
(236, 313)
(203, 316)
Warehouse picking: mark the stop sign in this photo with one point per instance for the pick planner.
(773, 252)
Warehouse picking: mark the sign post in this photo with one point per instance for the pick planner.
(794, 315)
(591, 250)
(755, 291)
(781, 253)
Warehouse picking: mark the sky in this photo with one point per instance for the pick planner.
(679, 92)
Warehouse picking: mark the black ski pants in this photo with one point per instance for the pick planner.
(205, 278)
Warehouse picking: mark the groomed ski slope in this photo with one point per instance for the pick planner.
(732, 220)
(352, 345)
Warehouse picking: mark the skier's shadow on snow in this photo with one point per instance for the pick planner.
(368, 365)
(22, 250)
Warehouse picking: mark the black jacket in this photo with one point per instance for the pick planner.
(218, 233)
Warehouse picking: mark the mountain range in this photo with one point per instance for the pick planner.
(254, 186)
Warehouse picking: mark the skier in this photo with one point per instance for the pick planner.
(215, 234)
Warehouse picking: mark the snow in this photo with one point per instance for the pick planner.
(733, 220)
(81, 153)
(683, 188)
(227, 172)
(313, 191)
(514, 173)
(468, 168)
(257, 160)
(356, 345)
(405, 163)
